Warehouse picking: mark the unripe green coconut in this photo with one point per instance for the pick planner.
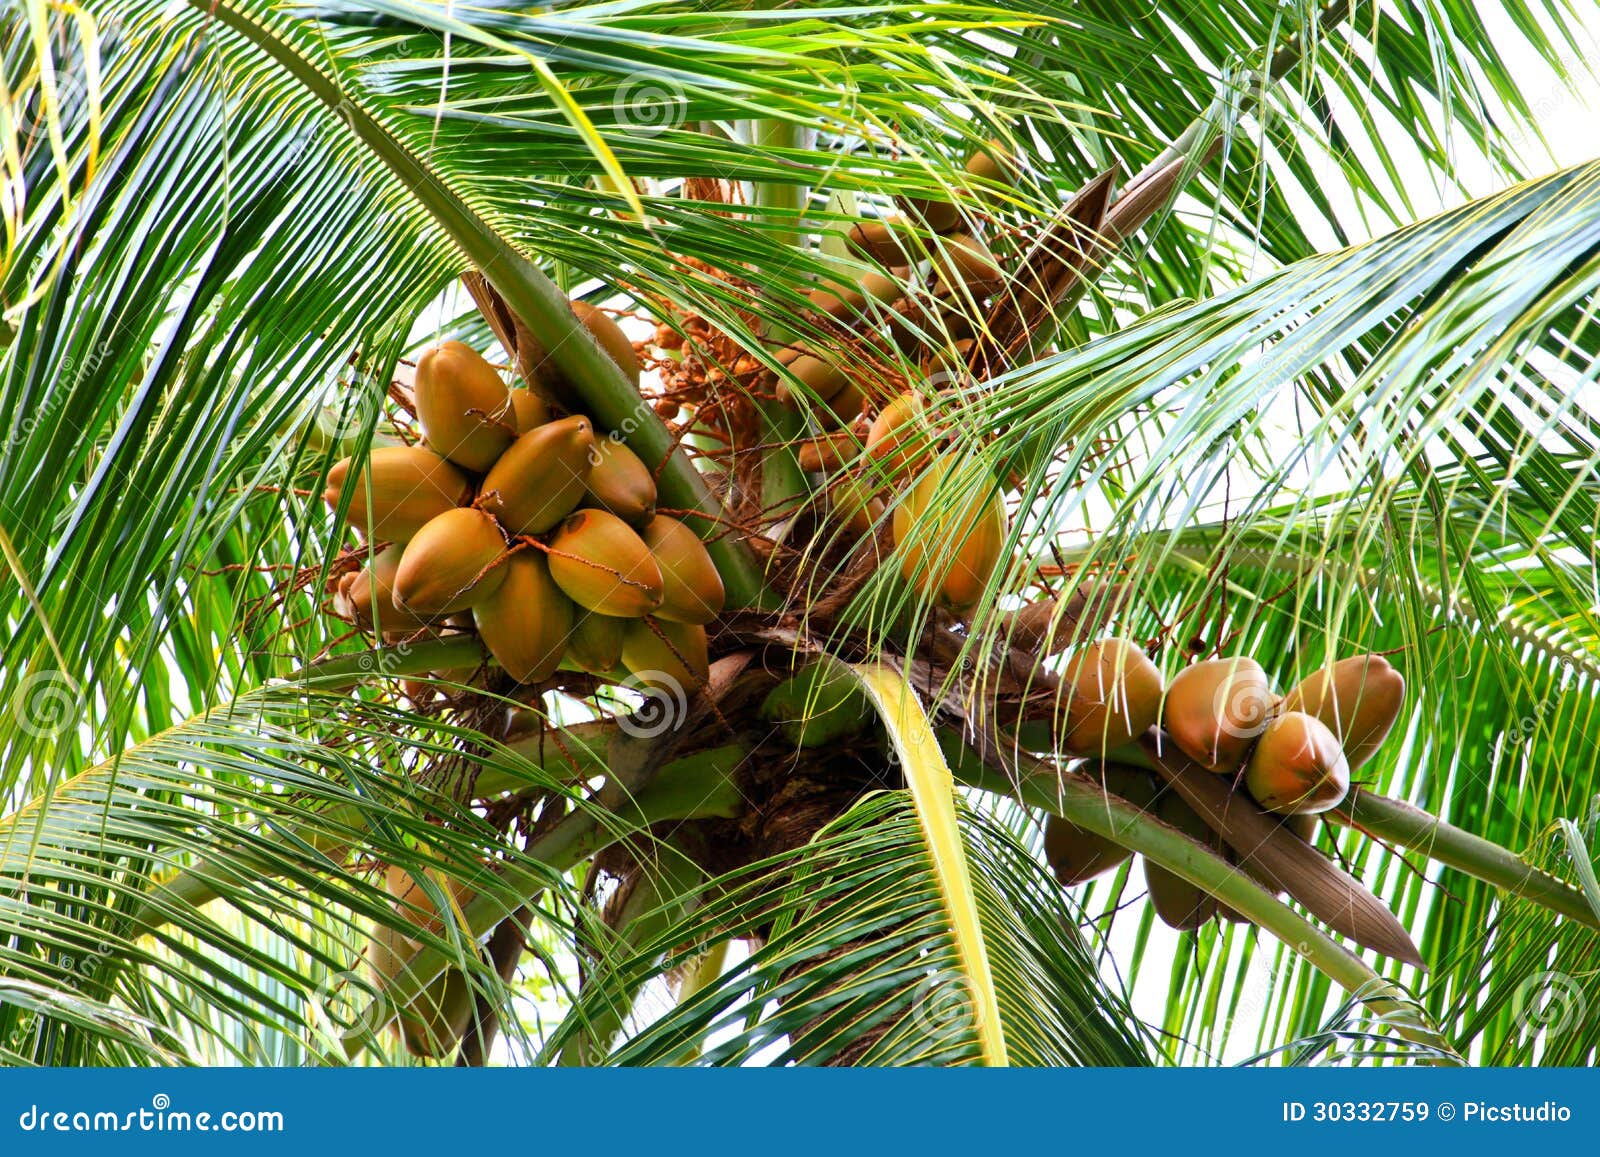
(819, 705)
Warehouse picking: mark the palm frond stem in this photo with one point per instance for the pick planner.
(1399, 823)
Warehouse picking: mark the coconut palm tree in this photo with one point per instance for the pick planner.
(1235, 329)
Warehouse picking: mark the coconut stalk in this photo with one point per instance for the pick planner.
(699, 786)
(1086, 804)
(1152, 192)
(537, 302)
(661, 894)
(703, 972)
(388, 662)
(1416, 830)
(505, 948)
(783, 483)
(1406, 826)
(1326, 890)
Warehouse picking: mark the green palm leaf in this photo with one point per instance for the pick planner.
(857, 959)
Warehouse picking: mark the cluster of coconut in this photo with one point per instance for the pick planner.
(929, 237)
(952, 553)
(950, 521)
(1293, 754)
(534, 530)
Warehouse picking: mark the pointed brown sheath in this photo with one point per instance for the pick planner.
(1326, 890)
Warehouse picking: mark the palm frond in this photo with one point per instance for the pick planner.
(855, 960)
